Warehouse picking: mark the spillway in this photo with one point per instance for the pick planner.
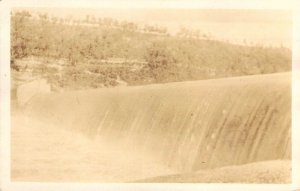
(187, 126)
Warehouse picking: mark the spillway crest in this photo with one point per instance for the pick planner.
(187, 125)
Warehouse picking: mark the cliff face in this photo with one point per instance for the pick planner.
(188, 125)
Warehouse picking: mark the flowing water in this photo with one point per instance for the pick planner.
(183, 127)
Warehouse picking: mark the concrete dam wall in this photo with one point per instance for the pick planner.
(188, 126)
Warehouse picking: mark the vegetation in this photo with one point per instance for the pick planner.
(100, 52)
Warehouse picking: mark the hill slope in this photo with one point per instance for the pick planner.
(86, 54)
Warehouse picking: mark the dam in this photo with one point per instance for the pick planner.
(185, 126)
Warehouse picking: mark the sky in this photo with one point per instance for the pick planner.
(263, 27)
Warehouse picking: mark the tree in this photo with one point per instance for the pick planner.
(19, 34)
(161, 63)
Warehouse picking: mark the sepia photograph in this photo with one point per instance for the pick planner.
(150, 95)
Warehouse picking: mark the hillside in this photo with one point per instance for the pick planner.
(181, 127)
(104, 52)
